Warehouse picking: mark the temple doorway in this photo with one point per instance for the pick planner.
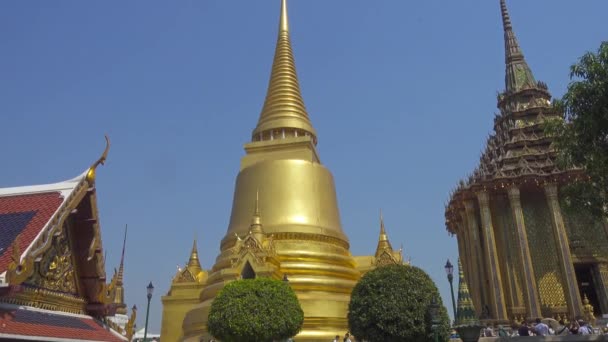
(248, 272)
(585, 276)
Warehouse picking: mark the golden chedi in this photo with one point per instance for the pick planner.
(285, 222)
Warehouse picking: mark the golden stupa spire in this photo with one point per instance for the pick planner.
(383, 242)
(284, 113)
(194, 264)
(119, 297)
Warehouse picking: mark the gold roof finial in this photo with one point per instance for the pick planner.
(101, 160)
(284, 107)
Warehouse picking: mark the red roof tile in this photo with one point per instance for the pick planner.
(42, 324)
(24, 216)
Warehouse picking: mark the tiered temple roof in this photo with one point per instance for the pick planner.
(52, 271)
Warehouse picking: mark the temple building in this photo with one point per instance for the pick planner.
(52, 270)
(523, 255)
(285, 222)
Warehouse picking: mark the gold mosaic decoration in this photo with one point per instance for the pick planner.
(543, 252)
(55, 271)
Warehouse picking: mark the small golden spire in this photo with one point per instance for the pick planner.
(101, 160)
(119, 297)
(383, 242)
(256, 220)
(193, 262)
(284, 107)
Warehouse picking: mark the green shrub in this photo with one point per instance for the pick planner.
(391, 304)
(255, 310)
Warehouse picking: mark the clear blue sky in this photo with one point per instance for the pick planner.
(401, 93)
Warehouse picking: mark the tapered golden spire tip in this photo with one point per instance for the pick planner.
(284, 22)
(284, 114)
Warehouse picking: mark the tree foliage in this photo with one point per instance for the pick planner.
(582, 137)
(391, 304)
(255, 310)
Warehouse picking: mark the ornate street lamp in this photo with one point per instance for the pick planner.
(449, 270)
(150, 289)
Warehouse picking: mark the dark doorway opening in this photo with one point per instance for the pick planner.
(248, 272)
(585, 276)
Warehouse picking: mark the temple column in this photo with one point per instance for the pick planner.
(530, 290)
(478, 275)
(498, 308)
(602, 286)
(575, 305)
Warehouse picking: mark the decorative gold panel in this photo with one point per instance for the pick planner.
(543, 251)
(55, 271)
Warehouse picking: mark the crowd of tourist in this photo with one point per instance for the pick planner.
(542, 328)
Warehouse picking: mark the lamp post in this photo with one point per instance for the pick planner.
(150, 289)
(449, 270)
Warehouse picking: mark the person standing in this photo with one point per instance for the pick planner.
(347, 338)
(541, 329)
(523, 330)
(337, 339)
(488, 331)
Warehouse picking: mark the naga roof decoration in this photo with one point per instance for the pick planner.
(518, 151)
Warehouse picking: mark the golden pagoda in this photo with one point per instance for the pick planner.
(523, 256)
(285, 222)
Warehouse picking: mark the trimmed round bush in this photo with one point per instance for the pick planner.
(391, 304)
(255, 310)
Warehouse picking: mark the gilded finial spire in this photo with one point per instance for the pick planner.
(256, 220)
(518, 74)
(119, 296)
(284, 112)
(193, 262)
(383, 242)
(121, 268)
